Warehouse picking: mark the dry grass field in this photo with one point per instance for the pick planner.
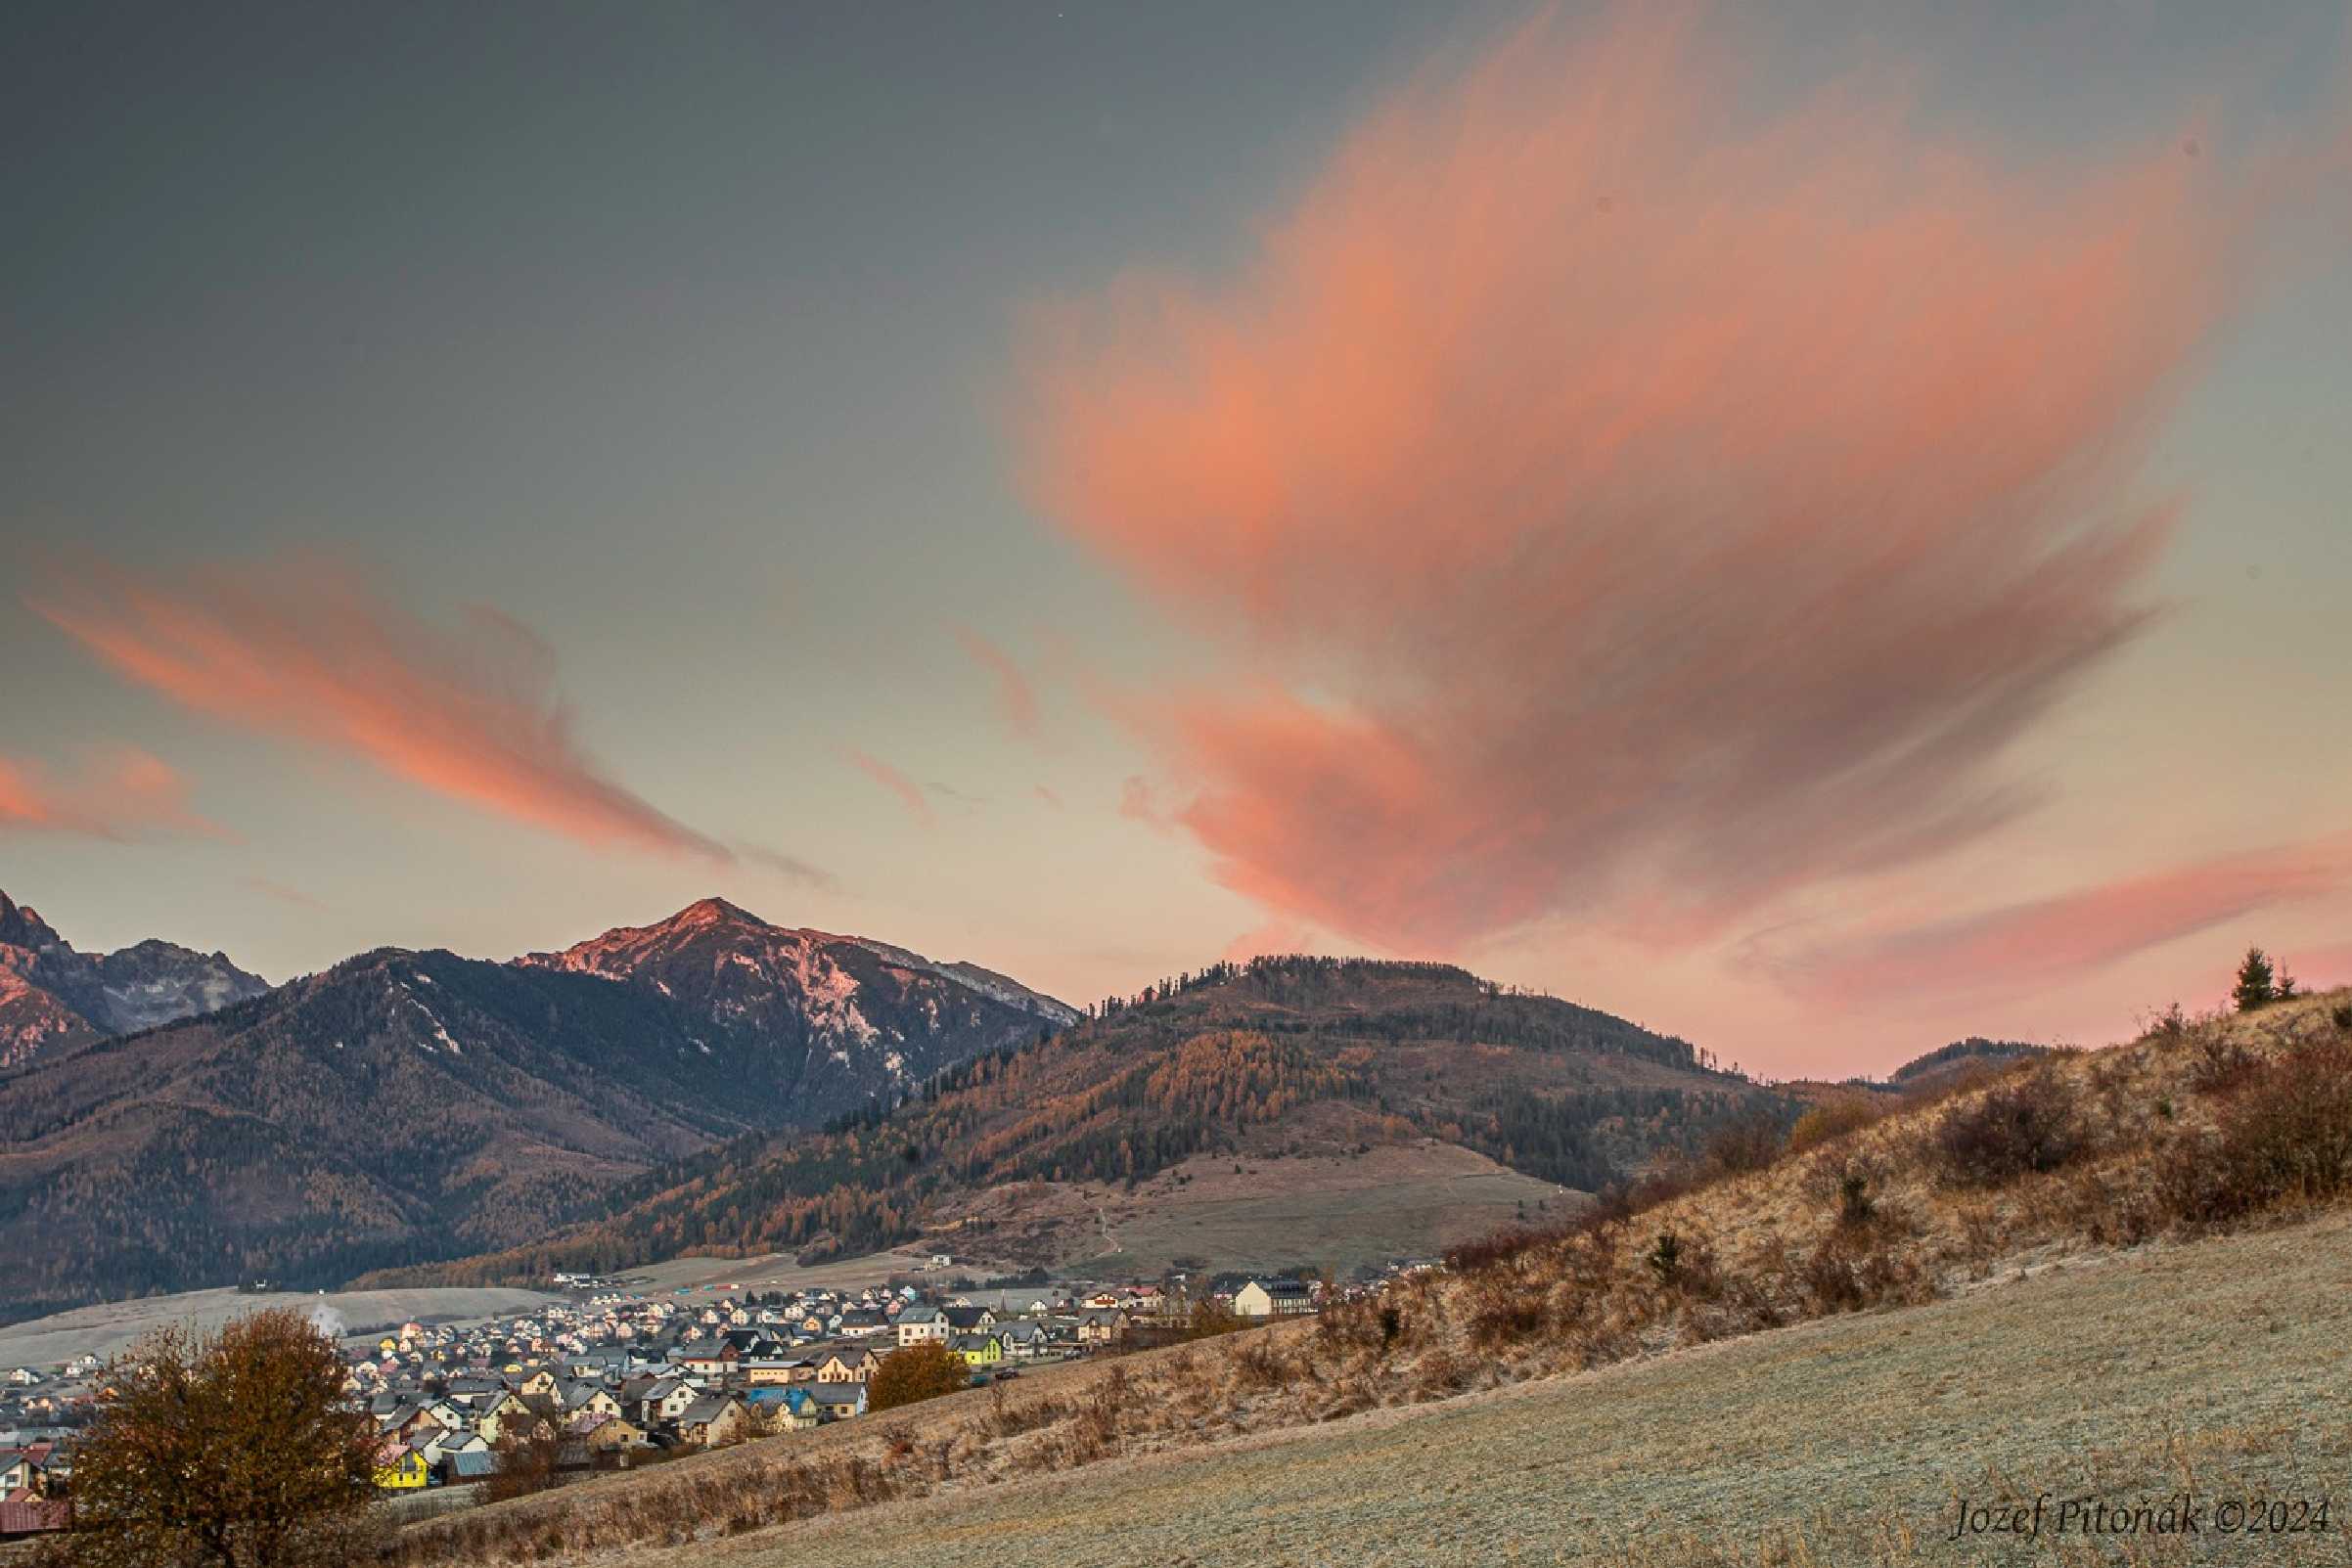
(2217, 1366)
(107, 1329)
(2094, 1270)
(1263, 1213)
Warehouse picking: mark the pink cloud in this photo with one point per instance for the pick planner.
(1016, 697)
(898, 783)
(2047, 941)
(307, 651)
(1634, 509)
(2322, 969)
(121, 794)
(283, 893)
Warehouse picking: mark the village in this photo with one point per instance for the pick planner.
(615, 1378)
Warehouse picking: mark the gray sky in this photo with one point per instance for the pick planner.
(692, 339)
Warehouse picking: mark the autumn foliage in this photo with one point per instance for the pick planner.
(916, 1372)
(233, 1449)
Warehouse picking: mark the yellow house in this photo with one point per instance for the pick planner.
(399, 1468)
(980, 1350)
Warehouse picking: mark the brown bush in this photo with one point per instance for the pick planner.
(2341, 1016)
(1499, 1247)
(2015, 1129)
(2219, 1064)
(1500, 1308)
(2286, 1136)
(1832, 1119)
(1750, 1143)
(1854, 1267)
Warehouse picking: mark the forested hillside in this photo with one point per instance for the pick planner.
(1282, 1056)
(406, 1107)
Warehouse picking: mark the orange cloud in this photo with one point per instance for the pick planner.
(2051, 940)
(1014, 695)
(123, 794)
(307, 651)
(1633, 507)
(898, 783)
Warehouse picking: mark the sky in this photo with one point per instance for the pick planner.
(1821, 533)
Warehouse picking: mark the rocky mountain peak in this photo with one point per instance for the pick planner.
(20, 926)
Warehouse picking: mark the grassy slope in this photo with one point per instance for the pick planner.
(2223, 1341)
(2215, 1364)
(1266, 1214)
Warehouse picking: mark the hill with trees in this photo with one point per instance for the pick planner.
(1282, 1057)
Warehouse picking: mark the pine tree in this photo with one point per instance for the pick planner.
(2257, 985)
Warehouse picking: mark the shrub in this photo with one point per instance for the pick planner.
(2342, 1016)
(2286, 1136)
(1496, 1250)
(916, 1372)
(2220, 1064)
(1832, 1119)
(1750, 1143)
(1855, 1206)
(1858, 1268)
(1211, 1319)
(2011, 1129)
(1665, 1257)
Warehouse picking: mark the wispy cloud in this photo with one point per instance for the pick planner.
(918, 804)
(2045, 941)
(280, 892)
(1016, 697)
(791, 868)
(307, 651)
(1638, 508)
(121, 793)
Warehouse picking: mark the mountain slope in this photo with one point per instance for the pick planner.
(403, 1107)
(1015, 1152)
(52, 996)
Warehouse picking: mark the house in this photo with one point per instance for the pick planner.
(1023, 1339)
(606, 1433)
(964, 1320)
(24, 1469)
(579, 1397)
(468, 1467)
(852, 1365)
(400, 1468)
(979, 1351)
(776, 1370)
(1273, 1298)
(919, 1324)
(714, 1419)
(837, 1401)
(785, 1410)
(440, 1446)
(1102, 1327)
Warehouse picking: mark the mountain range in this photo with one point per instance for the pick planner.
(409, 1106)
(1287, 1110)
(53, 998)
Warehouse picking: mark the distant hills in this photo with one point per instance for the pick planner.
(1292, 1064)
(403, 1107)
(53, 998)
